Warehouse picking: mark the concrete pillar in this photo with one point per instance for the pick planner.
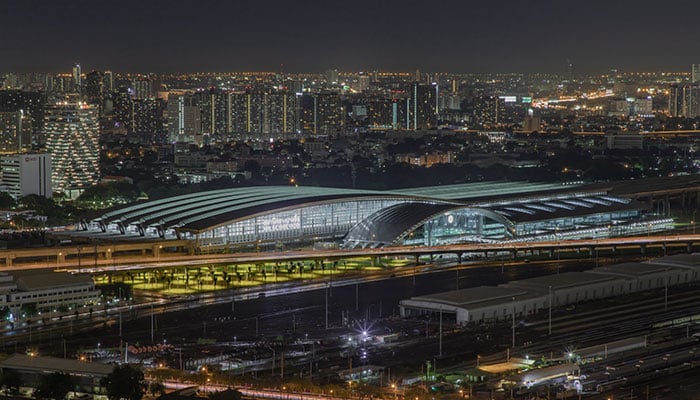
(155, 249)
(642, 249)
(690, 247)
(108, 254)
(60, 258)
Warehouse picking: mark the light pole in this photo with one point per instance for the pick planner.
(666, 291)
(513, 322)
(550, 310)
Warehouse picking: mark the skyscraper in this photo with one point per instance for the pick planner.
(422, 113)
(15, 131)
(94, 88)
(695, 73)
(141, 89)
(184, 118)
(329, 118)
(72, 132)
(77, 78)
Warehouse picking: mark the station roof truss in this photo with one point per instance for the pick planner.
(507, 203)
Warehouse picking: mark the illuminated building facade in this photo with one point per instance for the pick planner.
(72, 132)
(296, 216)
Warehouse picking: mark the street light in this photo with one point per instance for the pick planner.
(513, 322)
(550, 310)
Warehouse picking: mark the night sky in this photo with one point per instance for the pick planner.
(354, 35)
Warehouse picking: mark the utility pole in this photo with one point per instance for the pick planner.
(440, 331)
(326, 308)
(357, 297)
(513, 321)
(550, 310)
(152, 329)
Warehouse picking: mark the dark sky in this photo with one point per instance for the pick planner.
(352, 35)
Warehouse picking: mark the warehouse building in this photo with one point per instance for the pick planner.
(521, 298)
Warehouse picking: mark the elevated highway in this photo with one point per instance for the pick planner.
(150, 255)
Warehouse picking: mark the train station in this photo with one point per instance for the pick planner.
(293, 217)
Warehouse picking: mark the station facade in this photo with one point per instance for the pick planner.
(290, 216)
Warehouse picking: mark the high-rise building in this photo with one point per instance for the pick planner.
(149, 119)
(30, 103)
(332, 75)
(691, 100)
(25, 174)
(142, 89)
(15, 131)
(77, 78)
(329, 117)
(72, 132)
(124, 108)
(108, 81)
(387, 114)
(94, 88)
(695, 73)
(422, 104)
(675, 100)
(489, 111)
(184, 118)
(214, 105)
(362, 82)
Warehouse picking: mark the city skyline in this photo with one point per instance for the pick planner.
(184, 36)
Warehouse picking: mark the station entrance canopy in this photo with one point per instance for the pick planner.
(295, 216)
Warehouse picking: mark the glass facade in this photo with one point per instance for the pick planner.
(320, 221)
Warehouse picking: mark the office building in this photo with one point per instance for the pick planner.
(695, 73)
(72, 132)
(26, 173)
(77, 78)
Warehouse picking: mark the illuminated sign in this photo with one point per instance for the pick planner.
(279, 222)
(526, 99)
(508, 99)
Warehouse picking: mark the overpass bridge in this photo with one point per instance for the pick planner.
(115, 257)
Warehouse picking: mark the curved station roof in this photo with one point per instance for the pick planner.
(362, 216)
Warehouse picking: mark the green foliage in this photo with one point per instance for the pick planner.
(108, 194)
(228, 394)
(6, 201)
(54, 386)
(156, 388)
(42, 206)
(125, 382)
(29, 309)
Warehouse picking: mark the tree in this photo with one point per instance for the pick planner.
(125, 382)
(54, 386)
(6, 201)
(11, 380)
(156, 388)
